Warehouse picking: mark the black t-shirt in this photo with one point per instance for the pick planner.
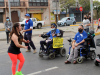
(13, 48)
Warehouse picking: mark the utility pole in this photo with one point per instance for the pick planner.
(9, 9)
(57, 9)
(91, 6)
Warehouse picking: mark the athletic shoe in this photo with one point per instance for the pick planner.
(34, 51)
(19, 73)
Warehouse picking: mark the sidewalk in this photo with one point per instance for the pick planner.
(36, 32)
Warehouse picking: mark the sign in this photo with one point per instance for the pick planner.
(56, 11)
(81, 9)
(57, 42)
(1, 10)
(35, 10)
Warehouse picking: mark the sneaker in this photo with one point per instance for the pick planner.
(28, 51)
(19, 73)
(34, 51)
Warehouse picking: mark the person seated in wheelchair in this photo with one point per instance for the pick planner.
(78, 42)
(54, 32)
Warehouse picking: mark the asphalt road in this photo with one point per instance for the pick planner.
(34, 65)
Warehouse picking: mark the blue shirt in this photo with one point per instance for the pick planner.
(49, 33)
(80, 36)
(28, 25)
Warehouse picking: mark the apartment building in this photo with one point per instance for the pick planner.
(39, 9)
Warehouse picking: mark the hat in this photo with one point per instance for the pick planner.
(7, 17)
(27, 15)
(53, 24)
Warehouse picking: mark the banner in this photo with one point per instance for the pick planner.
(57, 42)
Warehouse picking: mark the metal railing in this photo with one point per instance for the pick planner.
(38, 3)
(2, 4)
(16, 4)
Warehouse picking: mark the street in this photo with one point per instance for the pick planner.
(34, 65)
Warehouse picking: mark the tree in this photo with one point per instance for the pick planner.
(96, 5)
(85, 4)
(67, 3)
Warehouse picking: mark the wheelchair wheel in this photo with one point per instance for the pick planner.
(67, 56)
(79, 60)
(63, 52)
(92, 55)
(40, 54)
(96, 63)
(52, 55)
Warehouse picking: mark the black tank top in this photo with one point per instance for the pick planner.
(13, 48)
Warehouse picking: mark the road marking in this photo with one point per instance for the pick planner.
(38, 72)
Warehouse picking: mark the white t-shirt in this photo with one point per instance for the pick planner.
(86, 21)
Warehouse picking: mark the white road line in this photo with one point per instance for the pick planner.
(43, 71)
(51, 68)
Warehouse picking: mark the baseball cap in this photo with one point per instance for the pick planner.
(27, 15)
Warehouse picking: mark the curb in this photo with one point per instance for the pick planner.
(98, 33)
(47, 26)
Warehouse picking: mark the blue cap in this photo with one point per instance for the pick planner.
(53, 24)
(27, 15)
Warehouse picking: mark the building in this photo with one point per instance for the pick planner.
(39, 9)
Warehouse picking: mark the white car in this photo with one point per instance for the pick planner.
(36, 23)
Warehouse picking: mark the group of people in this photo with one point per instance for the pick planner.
(17, 38)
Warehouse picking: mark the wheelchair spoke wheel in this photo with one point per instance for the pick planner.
(92, 55)
(52, 55)
(79, 60)
(63, 52)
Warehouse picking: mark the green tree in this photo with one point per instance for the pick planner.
(67, 3)
(85, 4)
(96, 5)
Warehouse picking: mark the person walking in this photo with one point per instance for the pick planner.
(14, 49)
(8, 28)
(86, 23)
(98, 25)
(28, 33)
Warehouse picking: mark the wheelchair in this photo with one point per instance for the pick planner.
(52, 52)
(97, 60)
(85, 51)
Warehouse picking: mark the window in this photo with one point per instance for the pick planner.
(14, 0)
(33, 20)
(1, 0)
(1, 18)
(38, 0)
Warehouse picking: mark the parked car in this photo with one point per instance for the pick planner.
(66, 21)
(36, 23)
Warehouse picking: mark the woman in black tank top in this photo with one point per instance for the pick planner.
(14, 49)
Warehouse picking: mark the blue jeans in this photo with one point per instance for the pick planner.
(28, 36)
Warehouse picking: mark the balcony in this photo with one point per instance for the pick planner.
(38, 4)
(16, 4)
(2, 4)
